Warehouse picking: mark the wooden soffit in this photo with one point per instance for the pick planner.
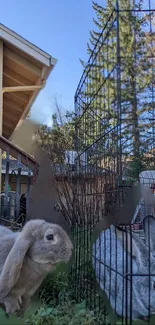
(25, 71)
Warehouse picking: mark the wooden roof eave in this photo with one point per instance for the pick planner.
(25, 71)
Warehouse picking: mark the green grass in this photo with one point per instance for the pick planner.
(57, 307)
(35, 305)
(67, 313)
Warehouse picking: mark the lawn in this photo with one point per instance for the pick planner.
(36, 303)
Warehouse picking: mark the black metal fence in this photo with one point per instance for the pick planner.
(115, 107)
(16, 180)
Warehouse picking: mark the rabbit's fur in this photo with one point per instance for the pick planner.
(113, 255)
(25, 259)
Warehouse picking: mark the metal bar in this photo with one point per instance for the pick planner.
(1, 104)
(100, 86)
(28, 193)
(6, 185)
(119, 149)
(98, 139)
(85, 74)
(18, 186)
(135, 10)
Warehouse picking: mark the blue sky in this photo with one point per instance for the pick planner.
(61, 28)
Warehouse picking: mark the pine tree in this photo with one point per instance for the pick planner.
(135, 60)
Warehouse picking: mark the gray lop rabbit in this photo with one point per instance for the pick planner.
(115, 257)
(25, 259)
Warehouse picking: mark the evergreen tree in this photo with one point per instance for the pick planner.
(119, 75)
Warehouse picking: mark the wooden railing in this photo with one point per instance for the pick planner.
(18, 173)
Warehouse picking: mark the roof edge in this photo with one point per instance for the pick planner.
(21, 43)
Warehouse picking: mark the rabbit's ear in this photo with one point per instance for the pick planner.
(13, 264)
(149, 230)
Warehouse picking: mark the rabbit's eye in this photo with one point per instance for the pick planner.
(50, 237)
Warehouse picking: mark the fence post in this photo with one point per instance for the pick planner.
(119, 122)
(1, 106)
(18, 186)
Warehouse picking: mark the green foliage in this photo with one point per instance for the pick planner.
(60, 137)
(58, 306)
(67, 313)
(136, 81)
(54, 287)
(133, 169)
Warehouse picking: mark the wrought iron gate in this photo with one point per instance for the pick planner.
(115, 107)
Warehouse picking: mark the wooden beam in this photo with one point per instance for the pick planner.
(15, 100)
(17, 78)
(1, 105)
(21, 61)
(14, 151)
(6, 133)
(7, 127)
(11, 104)
(22, 88)
(11, 117)
(21, 97)
(43, 78)
(9, 123)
